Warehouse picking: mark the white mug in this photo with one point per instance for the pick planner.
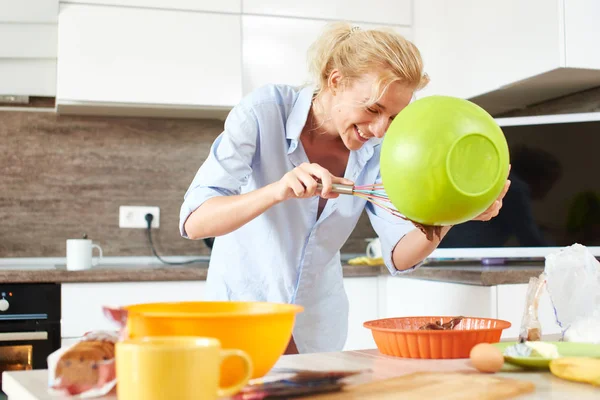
(374, 248)
(79, 254)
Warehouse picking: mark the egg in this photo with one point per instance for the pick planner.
(486, 358)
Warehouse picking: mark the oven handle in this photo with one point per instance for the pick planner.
(22, 336)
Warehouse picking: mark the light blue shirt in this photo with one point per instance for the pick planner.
(286, 254)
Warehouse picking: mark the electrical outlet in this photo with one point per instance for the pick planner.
(135, 216)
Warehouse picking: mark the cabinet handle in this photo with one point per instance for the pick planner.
(22, 336)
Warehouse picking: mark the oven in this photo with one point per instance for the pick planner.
(29, 325)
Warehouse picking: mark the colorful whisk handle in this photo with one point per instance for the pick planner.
(339, 188)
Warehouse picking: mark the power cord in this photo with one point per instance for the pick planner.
(149, 217)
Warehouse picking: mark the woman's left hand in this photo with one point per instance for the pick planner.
(494, 209)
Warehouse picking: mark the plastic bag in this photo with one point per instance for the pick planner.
(531, 329)
(85, 369)
(573, 282)
(584, 330)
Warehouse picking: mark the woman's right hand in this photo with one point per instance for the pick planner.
(301, 183)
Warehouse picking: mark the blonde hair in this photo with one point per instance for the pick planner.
(355, 52)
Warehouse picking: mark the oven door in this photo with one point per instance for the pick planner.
(27, 345)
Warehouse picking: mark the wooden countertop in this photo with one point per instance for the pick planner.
(32, 385)
(471, 274)
(107, 273)
(480, 275)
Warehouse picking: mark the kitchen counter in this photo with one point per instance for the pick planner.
(107, 273)
(471, 274)
(31, 385)
(481, 275)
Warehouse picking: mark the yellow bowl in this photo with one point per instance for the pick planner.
(261, 329)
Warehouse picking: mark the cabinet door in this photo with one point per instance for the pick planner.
(414, 297)
(28, 77)
(148, 56)
(82, 302)
(29, 11)
(582, 32)
(392, 12)
(511, 305)
(232, 6)
(363, 296)
(28, 40)
(471, 47)
(275, 49)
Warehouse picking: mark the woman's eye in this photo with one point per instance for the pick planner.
(371, 110)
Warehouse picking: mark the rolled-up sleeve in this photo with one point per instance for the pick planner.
(390, 229)
(228, 165)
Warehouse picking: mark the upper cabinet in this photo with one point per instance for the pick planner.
(30, 11)
(226, 6)
(193, 58)
(148, 56)
(28, 59)
(275, 48)
(28, 47)
(277, 34)
(506, 54)
(28, 40)
(582, 33)
(28, 77)
(390, 12)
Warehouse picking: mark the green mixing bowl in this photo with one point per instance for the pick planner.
(444, 161)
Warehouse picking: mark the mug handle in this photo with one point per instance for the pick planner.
(236, 387)
(99, 251)
(370, 249)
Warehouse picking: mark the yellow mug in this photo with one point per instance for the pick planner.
(174, 367)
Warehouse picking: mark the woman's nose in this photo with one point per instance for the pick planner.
(379, 127)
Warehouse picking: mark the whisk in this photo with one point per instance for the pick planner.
(376, 195)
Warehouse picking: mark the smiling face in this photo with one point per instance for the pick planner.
(354, 118)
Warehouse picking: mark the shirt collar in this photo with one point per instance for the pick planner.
(297, 118)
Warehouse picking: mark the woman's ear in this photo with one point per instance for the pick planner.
(334, 82)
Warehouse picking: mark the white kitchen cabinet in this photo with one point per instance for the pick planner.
(511, 305)
(582, 32)
(230, 6)
(275, 49)
(391, 297)
(28, 47)
(471, 47)
(82, 302)
(415, 297)
(363, 298)
(29, 11)
(513, 52)
(28, 58)
(391, 12)
(28, 40)
(148, 56)
(28, 76)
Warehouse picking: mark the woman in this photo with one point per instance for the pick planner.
(278, 238)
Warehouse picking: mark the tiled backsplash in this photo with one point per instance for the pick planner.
(66, 176)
